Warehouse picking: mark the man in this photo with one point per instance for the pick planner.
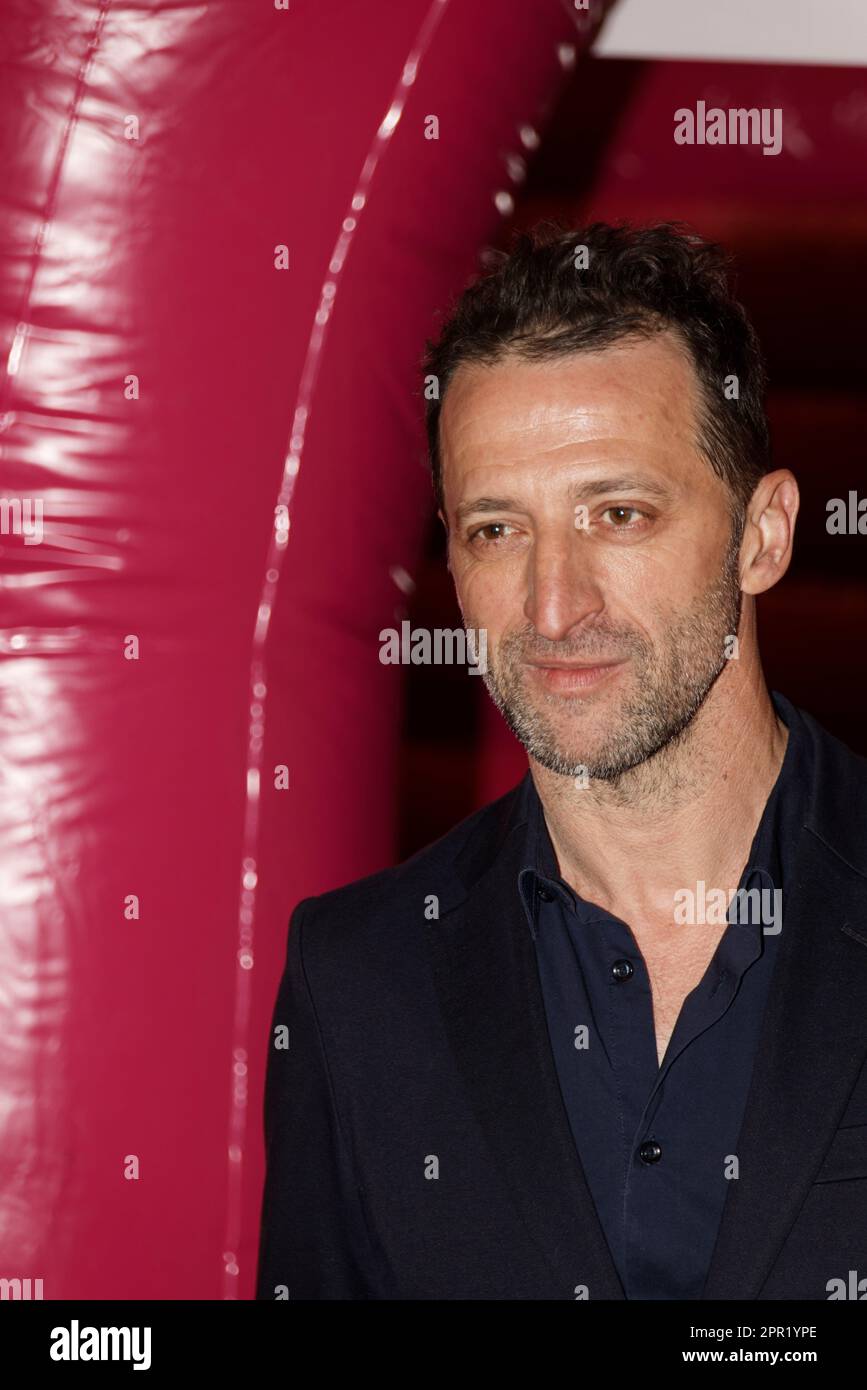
(608, 1038)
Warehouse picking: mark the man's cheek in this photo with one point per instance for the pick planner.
(490, 594)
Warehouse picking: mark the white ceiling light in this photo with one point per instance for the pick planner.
(771, 31)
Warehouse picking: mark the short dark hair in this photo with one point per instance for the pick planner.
(534, 302)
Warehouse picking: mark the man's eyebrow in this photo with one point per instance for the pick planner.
(594, 487)
(485, 504)
(624, 482)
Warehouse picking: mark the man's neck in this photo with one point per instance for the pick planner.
(690, 812)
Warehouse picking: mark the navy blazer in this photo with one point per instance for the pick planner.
(417, 1143)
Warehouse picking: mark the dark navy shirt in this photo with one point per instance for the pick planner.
(659, 1144)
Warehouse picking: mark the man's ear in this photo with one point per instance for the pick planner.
(770, 531)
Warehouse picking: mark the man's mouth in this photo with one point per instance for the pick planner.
(572, 676)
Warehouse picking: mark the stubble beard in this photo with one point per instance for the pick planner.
(666, 688)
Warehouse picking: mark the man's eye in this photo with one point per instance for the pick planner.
(497, 526)
(621, 514)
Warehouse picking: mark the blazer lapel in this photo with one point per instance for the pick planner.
(487, 980)
(814, 1041)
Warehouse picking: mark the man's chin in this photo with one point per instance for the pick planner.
(591, 745)
(561, 754)
(560, 762)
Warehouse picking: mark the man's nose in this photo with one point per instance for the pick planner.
(562, 591)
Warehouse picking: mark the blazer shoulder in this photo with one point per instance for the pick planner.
(837, 809)
(432, 869)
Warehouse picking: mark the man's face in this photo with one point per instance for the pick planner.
(603, 637)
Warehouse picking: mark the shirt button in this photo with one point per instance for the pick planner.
(622, 969)
(650, 1152)
(544, 893)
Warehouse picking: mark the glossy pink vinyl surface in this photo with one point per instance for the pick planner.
(216, 450)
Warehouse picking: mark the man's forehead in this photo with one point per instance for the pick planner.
(630, 387)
